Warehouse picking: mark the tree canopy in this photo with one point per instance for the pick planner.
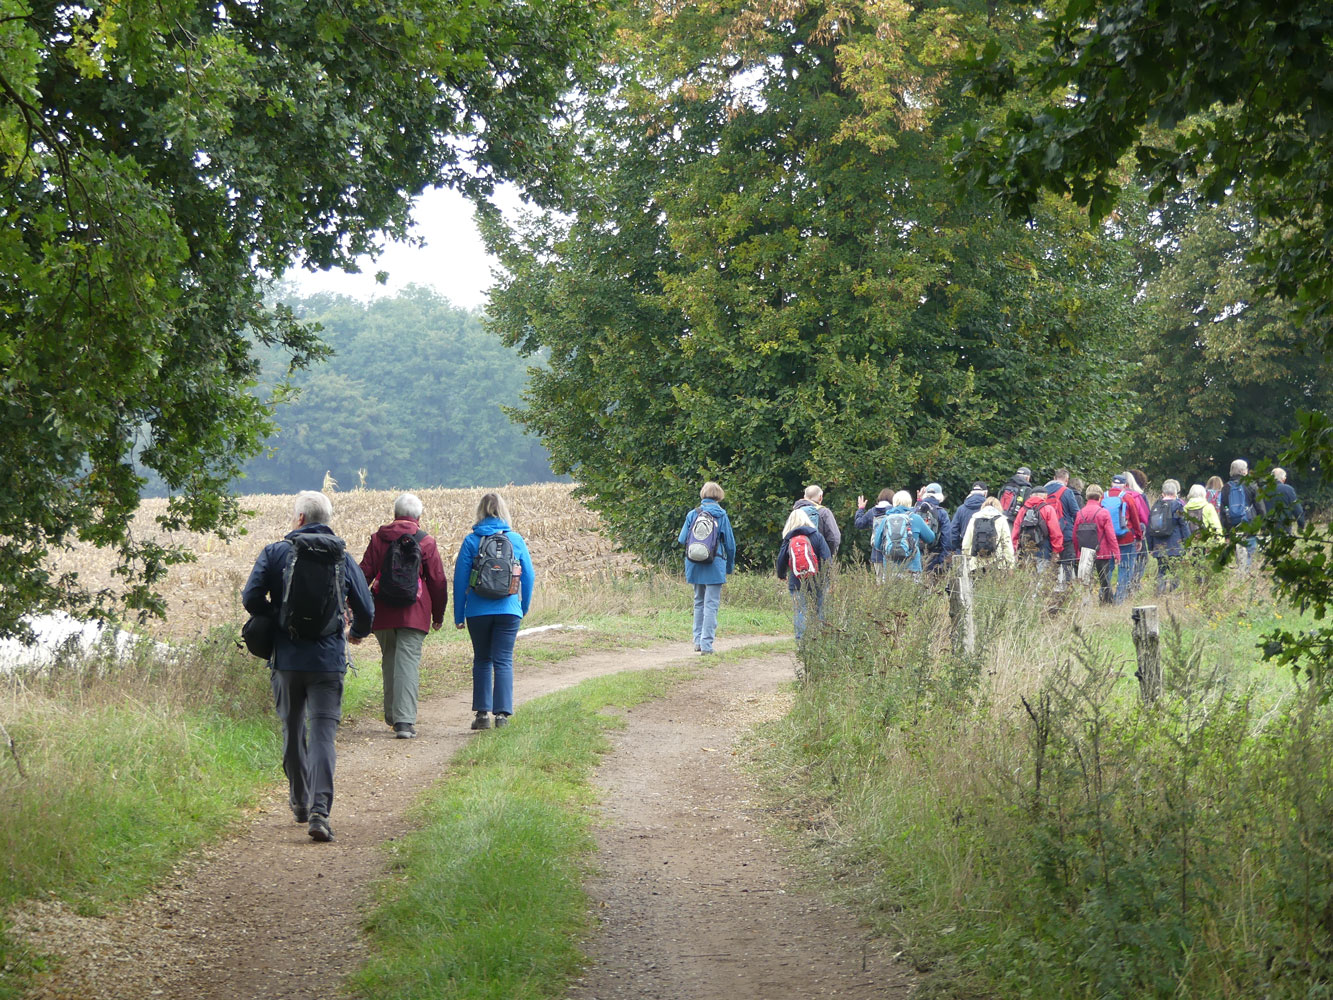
(766, 278)
(157, 161)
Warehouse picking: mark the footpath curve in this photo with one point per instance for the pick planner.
(269, 914)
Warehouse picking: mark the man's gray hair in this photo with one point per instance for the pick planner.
(315, 506)
(1171, 488)
(815, 493)
(1280, 475)
(407, 505)
(1240, 467)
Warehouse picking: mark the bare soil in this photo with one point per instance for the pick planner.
(693, 900)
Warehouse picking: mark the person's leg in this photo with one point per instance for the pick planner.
(880, 572)
(324, 701)
(712, 601)
(388, 640)
(1104, 567)
(483, 675)
(407, 674)
(700, 595)
(289, 701)
(798, 604)
(1126, 572)
(819, 600)
(503, 636)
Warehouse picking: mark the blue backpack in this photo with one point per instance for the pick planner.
(1238, 509)
(1115, 506)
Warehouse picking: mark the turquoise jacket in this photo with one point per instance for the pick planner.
(919, 528)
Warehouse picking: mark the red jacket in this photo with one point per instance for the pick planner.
(1046, 510)
(434, 596)
(1133, 520)
(1107, 547)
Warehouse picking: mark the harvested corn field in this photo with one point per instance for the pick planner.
(563, 535)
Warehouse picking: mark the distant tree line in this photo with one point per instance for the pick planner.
(413, 395)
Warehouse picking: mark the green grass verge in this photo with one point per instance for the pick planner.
(486, 899)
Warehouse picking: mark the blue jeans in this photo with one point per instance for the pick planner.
(308, 755)
(1125, 574)
(493, 639)
(803, 593)
(707, 599)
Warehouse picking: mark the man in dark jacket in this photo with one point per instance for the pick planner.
(307, 673)
(402, 621)
(1014, 492)
(963, 515)
(1058, 490)
(1287, 504)
(937, 559)
(822, 516)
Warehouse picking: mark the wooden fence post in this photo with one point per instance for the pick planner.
(1149, 654)
(960, 613)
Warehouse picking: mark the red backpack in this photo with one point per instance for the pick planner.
(801, 557)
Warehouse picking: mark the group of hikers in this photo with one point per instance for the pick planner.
(1064, 527)
(303, 590)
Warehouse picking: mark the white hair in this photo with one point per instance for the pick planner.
(1280, 475)
(1131, 483)
(798, 518)
(1240, 467)
(314, 506)
(1171, 488)
(1197, 492)
(902, 499)
(407, 505)
(815, 493)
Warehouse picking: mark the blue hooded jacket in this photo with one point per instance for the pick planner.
(724, 561)
(1069, 508)
(962, 517)
(467, 602)
(919, 528)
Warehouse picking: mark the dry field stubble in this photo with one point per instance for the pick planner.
(563, 535)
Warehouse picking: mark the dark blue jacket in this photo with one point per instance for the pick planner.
(821, 553)
(724, 561)
(263, 596)
(1286, 503)
(962, 517)
(1181, 529)
(937, 559)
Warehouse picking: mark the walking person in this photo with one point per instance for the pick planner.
(1239, 504)
(1213, 492)
(1068, 504)
(930, 505)
(1128, 528)
(1287, 504)
(403, 567)
(802, 561)
(986, 539)
(813, 505)
(962, 517)
(867, 519)
(900, 537)
(1168, 528)
(710, 554)
(1094, 533)
(1202, 514)
(309, 606)
(493, 583)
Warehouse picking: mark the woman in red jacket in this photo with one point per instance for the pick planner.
(1093, 532)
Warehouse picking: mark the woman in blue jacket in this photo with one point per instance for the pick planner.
(492, 621)
(903, 554)
(708, 576)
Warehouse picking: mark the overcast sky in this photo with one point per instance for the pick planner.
(453, 261)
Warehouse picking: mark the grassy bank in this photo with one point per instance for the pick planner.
(1024, 826)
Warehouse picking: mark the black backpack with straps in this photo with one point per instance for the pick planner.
(314, 593)
(400, 573)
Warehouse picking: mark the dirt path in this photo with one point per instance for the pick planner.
(270, 914)
(695, 902)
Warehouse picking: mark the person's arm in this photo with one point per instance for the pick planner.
(1106, 533)
(372, 560)
(922, 529)
(729, 539)
(527, 578)
(783, 551)
(462, 570)
(834, 532)
(437, 586)
(254, 596)
(685, 530)
(358, 597)
(1253, 494)
(1056, 532)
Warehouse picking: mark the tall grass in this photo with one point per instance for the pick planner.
(1026, 827)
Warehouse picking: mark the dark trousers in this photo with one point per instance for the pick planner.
(493, 638)
(308, 755)
(1104, 567)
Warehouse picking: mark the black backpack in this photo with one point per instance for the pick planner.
(400, 573)
(314, 597)
(495, 571)
(1160, 520)
(985, 539)
(931, 515)
(1032, 532)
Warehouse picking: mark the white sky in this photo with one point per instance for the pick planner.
(453, 261)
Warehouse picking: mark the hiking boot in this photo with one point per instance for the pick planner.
(698, 649)
(482, 721)
(405, 730)
(319, 828)
(301, 813)
(501, 720)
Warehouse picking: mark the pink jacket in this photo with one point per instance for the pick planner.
(434, 594)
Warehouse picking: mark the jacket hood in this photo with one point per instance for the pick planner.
(973, 501)
(803, 502)
(1194, 503)
(490, 526)
(899, 510)
(800, 530)
(882, 505)
(712, 506)
(310, 529)
(1054, 485)
(397, 528)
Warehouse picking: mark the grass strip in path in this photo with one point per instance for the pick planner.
(487, 899)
